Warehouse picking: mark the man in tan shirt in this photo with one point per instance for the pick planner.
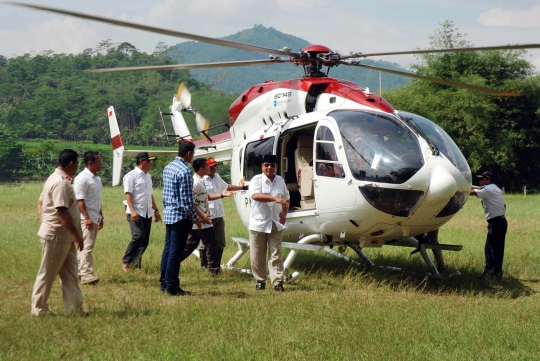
(60, 228)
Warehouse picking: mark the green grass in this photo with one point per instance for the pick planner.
(333, 311)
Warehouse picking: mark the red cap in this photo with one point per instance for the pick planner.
(211, 162)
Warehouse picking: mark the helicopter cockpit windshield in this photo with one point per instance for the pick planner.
(442, 141)
(378, 148)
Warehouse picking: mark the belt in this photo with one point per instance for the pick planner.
(494, 219)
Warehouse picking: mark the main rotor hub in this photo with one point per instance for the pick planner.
(313, 57)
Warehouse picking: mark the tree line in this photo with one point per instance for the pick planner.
(49, 96)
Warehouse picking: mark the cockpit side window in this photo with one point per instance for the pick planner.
(254, 154)
(442, 140)
(326, 159)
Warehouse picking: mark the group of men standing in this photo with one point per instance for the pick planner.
(192, 212)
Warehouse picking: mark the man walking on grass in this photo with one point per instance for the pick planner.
(179, 215)
(88, 187)
(140, 206)
(59, 232)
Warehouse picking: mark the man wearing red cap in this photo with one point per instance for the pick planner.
(494, 209)
(215, 184)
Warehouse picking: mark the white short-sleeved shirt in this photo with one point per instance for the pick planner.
(201, 198)
(57, 193)
(264, 213)
(139, 184)
(88, 187)
(215, 185)
(492, 201)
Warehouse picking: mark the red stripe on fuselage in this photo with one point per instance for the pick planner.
(116, 142)
(215, 139)
(338, 87)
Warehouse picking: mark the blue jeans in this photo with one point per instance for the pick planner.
(176, 235)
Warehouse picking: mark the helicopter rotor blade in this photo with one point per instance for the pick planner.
(184, 95)
(201, 122)
(204, 39)
(455, 50)
(490, 91)
(224, 64)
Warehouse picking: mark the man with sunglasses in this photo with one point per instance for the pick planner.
(215, 184)
(140, 206)
(269, 207)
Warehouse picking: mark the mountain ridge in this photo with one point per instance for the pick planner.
(237, 79)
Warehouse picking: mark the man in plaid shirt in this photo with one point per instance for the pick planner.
(179, 215)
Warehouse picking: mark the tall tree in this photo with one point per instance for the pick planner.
(497, 133)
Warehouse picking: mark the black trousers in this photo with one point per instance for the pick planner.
(494, 249)
(208, 238)
(140, 237)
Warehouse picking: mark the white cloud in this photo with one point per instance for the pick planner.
(511, 18)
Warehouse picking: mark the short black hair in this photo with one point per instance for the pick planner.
(89, 156)
(184, 147)
(67, 156)
(198, 164)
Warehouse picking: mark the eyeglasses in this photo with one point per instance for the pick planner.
(214, 166)
(271, 165)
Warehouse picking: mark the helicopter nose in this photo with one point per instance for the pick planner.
(442, 186)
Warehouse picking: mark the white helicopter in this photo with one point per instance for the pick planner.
(360, 173)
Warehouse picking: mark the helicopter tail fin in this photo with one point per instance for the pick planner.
(117, 144)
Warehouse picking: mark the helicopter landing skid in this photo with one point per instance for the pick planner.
(303, 244)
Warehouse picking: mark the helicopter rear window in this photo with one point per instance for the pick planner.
(378, 147)
(254, 155)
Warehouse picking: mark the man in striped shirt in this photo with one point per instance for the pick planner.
(179, 215)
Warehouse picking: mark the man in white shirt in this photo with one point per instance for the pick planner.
(140, 206)
(494, 209)
(203, 230)
(215, 184)
(269, 207)
(88, 187)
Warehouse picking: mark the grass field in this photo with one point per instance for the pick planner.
(332, 312)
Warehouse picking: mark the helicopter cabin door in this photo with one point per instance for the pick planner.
(332, 185)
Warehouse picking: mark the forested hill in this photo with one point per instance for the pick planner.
(239, 79)
(49, 96)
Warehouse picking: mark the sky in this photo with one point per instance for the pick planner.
(342, 25)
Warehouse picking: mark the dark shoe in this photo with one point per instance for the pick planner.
(279, 287)
(260, 286)
(497, 276)
(214, 271)
(179, 292)
(441, 269)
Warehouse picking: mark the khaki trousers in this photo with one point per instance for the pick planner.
(57, 259)
(259, 244)
(85, 257)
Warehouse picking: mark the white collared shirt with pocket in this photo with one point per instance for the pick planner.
(88, 187)
(264, 213)
(139, 184)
